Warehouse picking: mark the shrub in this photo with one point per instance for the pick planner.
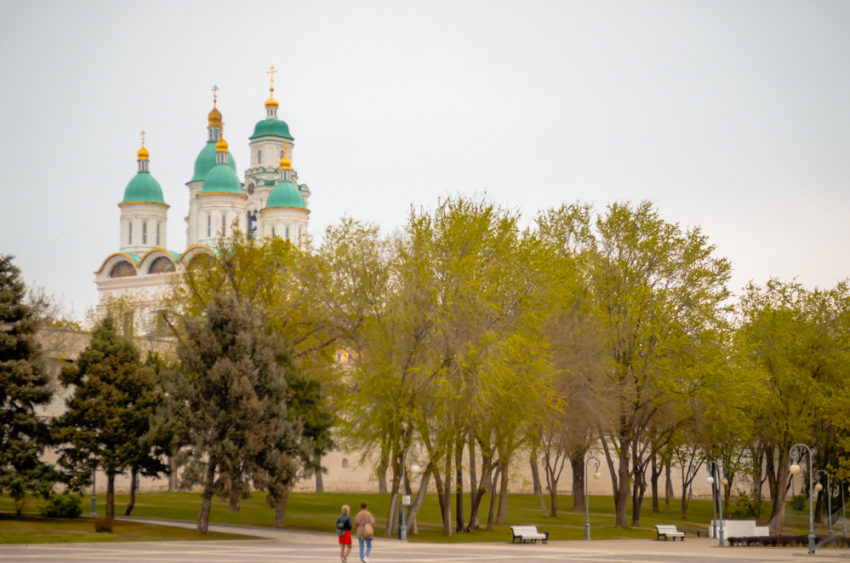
(745, 507)
(798, 503)
(62, 506)
(103, 525)
(789, 541)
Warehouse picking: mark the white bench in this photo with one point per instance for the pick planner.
(668, 531)
(528, 533)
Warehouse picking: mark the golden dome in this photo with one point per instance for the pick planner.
(215, 117)
(221, 146)
(285, 163)
(271, 102)
(143, 153)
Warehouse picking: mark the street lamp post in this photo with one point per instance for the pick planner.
(819, 487)
(795, 468)
(596, 475)
(402, 527)
(93, 494)
(717, 469)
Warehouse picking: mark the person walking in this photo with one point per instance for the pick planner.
(365, 523)
(343, 530)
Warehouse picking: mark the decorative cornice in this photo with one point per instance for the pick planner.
(123, 203)
(222, 193)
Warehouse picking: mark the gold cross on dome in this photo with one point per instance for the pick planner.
(215, 95)
(143, 138)
(272, 72)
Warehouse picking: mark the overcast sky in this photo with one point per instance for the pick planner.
(734, 116)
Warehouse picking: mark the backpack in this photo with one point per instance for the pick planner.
(341, 524)
(368, 532)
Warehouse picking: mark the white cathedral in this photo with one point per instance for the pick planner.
(269, 203)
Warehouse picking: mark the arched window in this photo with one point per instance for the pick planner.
(282, 154)
(122, 269)
(209, 225)
(161, 265)
(287, 232)
(259, 157)
(130, 232)
(157, 234)
(224, 224)
(273, 235)
(345, 464)
(145, 232)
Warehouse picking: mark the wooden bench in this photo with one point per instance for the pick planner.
(528, 533)
(668, 531)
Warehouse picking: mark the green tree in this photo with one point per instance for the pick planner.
(654, 288)
(106, 416)
(797, 339)
(236, 400)
(268, 276)
(24, 386)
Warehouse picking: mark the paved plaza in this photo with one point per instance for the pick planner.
(288, 546)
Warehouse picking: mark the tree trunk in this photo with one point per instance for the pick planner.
(381, 470)
(206, 498)
(317, 460)
(577, 466)
(110, 495)
(473, 479)
(132, 502)
(459, 522)
(491, 515)
(478, 495)
(553, 499)
(638, 490)
(447, 495)
(502, 515)
(535, 472)
(777, 512)
(420, 498)
(234, 493)
(172, 474)
(280, 511)
(392, 513)
(669, 493)
(622, 486)
(655, 473)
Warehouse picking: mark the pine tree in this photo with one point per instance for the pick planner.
(107, 415)
(24, 385)
(237, 399)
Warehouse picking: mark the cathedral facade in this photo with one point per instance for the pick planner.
(268, 203)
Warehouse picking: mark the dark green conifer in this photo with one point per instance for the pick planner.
(24, 385)
(106, 421)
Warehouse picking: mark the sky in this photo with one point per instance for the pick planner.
(730, 116)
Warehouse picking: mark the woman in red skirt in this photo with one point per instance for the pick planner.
(343, 530)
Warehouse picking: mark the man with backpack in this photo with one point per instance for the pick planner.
(365, 524)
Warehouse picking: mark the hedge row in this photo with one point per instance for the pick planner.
(789, 541)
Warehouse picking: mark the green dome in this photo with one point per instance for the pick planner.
(274, 127)
(286, 194)
(143, 187)
(222, 179)
(206, 160)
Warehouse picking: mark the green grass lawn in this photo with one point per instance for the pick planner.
(318, 512)
(36, 529)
